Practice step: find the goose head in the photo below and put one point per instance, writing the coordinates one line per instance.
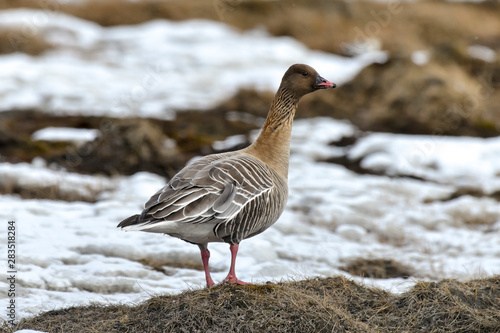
(302, 79)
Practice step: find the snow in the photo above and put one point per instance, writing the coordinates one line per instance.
(71, 253)
(77, 135)
(482, 52)
(229, 142)
(36, 174)
(420, 57)
(465, 162)
(151, 69)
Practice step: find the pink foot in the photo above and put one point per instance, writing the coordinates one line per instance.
(231, 276)
(232, 280)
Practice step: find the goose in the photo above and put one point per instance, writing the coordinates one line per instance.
(228, 197)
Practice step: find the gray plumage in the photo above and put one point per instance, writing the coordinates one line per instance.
(232, 196)
(218, 198)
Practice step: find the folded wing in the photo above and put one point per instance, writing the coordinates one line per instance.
(213, 190)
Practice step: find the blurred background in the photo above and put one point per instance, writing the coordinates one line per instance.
(440, 77)
(394, 174)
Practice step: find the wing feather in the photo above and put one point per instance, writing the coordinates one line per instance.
(213, 189)
(225, 198)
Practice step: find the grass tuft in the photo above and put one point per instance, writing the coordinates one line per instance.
(335, 304)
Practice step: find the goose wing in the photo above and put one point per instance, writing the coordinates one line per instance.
(210, 190)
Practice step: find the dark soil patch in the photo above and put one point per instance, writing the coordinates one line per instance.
(317, 305)
(125, 146)
(377, 268)
(444, 97)
(51, 192)
(468, 191)
(354, 165)
(159, 265)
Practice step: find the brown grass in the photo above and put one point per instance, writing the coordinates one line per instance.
(51, 192)
(401, 97)
(320, 24)
(334, 304)
(398, 96)
(158, 265)
(377, 268)
(14, 40)
(126, 146)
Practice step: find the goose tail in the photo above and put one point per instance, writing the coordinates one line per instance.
(130, 223)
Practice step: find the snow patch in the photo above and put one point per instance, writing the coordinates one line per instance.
(482, 52)
(77, 135)
(150, 69)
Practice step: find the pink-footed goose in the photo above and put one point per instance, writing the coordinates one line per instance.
(232, 196)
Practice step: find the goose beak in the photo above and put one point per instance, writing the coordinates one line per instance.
(321, 83)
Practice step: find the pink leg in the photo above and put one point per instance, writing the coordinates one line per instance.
(205, 255)
(231, 276)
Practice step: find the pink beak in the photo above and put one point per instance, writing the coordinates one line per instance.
(321, 83)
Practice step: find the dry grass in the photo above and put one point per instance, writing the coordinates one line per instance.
(320, 24)
(378, 99)
(16, 41)
(50, 192)
(334, 304)
(398, 96)
(125, 146)
(159, 265)
(377, 268)
(451, 95)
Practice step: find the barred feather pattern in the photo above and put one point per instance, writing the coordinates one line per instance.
(284, 106)
(236, 194)
(232, 196)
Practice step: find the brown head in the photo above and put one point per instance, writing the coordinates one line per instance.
(302, 79)
(273, 144)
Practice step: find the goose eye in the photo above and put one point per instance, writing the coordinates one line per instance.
(305, 73)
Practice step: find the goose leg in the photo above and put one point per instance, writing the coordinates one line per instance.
(231, 276)
(205, 255)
